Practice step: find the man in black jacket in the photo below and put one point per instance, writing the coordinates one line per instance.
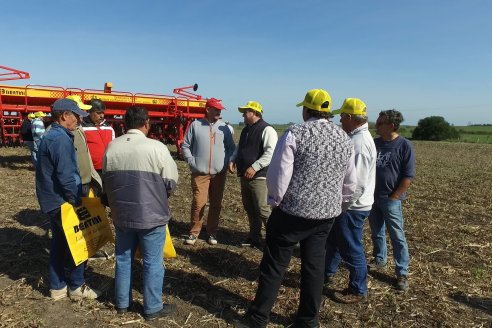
(251, 160)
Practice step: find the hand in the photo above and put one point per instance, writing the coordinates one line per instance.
(232, 167)
(75, 203)
(345, 206)
(394, 197)
(250, 173)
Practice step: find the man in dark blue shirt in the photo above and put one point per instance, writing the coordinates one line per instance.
(58, 181)
(395, 169)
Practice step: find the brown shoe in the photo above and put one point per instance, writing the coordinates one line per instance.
(347, 296)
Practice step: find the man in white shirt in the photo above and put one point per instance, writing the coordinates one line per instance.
(345, 239)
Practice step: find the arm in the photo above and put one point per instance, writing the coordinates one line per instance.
(402, 188)
(281, 168)
(169, 172)
(408, 172)
(230, 146)
(362, 169)
(186, 146)
(350, 180)
(64, 170)
(232, 161)
(270, 138)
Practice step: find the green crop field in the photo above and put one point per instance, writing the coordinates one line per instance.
(468, 134)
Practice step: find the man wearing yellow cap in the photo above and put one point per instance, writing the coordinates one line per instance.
(37, 129)
(312, 171)
(345, 239)
(251, 159)
(90, 177)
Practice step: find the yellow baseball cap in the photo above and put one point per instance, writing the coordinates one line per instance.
(79, 102)
(253, 105)
(317, 99)
(39, 114)
(31, 115)
(353, 106)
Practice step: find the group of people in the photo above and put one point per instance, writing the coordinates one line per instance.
(311, 188)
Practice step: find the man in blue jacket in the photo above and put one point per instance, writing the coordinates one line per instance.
(58, 181)
(207, 148)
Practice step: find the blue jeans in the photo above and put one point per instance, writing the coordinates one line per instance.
(151, 244)
(387, 212)
(345, 241)
(62, 268)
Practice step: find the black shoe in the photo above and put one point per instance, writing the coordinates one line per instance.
(329, 280)
(252, 243)
(402, 283)
(376, 266)
(121, 310)
(167, 310)
(246, 322)
(102, 255)
(247, 243)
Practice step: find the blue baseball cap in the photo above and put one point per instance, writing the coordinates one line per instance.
(64, 104)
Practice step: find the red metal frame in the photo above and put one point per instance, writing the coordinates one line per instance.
(13, 74)
(170, 116)
(183, 91)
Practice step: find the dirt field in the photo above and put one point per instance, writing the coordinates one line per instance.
(448, 223)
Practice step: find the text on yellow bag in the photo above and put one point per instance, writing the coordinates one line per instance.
(86, 228)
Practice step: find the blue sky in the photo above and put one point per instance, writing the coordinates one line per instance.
(422, 57)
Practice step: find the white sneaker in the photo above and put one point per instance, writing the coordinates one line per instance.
(190, 240)
(58, 294)
(212, 240)
(84, 291)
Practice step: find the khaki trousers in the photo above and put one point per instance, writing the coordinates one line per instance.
(211, 187)
(254, 195)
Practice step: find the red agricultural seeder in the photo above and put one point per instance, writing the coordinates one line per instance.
(169, 115)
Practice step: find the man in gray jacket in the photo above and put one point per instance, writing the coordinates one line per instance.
(139, 176)
(345, 239)
(207, 148)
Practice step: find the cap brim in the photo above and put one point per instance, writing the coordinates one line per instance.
(211, 106)
(243, 109)
(300, 104)
(79, 112)
(84, 107)
(336, 111)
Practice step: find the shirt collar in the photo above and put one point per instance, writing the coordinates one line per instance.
(136, 131)
(363, 127)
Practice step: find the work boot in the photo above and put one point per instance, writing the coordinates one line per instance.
(375, 265)
(402, 283)
(347, 296)
(166, 311)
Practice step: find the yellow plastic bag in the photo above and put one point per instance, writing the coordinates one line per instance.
(169, 251)
(86, 228)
